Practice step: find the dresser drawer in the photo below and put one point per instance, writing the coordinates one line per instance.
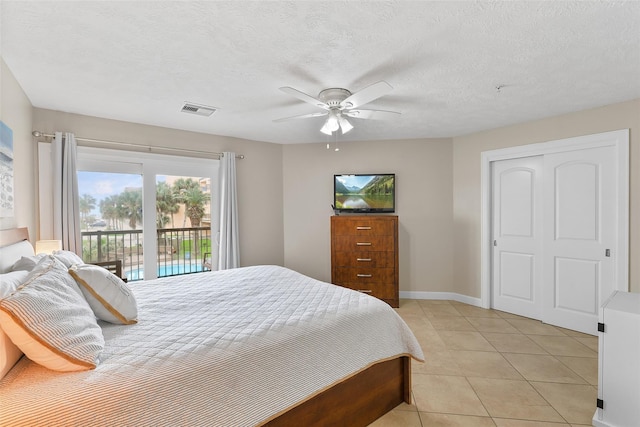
(364, 226)
(363, 243)
(378, 290)
(381, 259)
(363, 275)
(383, 292)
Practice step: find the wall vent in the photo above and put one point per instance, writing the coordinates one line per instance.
(200, 110)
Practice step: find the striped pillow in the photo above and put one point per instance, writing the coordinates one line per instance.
(50, 321)
(107, 294)
(9, 353)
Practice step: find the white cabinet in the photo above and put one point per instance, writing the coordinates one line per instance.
(619, 362)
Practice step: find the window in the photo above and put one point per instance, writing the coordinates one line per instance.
(111, 218)
(116, 197)
(183, 221)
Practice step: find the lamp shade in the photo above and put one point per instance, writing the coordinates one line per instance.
(344, 124)
(48, 246)
(334, 122)
(325, 129)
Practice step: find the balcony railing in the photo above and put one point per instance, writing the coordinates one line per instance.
(179, 250)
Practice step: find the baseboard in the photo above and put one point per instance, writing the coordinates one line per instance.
(441, 296)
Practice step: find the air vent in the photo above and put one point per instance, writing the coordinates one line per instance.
(200, 110)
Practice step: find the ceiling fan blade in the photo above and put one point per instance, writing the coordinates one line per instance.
(367, 94)
(371, 114)
(304, 97)
(303, 116)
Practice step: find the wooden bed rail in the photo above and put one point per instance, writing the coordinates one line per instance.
(357, 401)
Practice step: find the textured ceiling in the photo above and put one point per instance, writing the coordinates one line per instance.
(140, 61)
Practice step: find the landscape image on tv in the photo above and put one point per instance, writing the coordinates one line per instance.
(364, 192)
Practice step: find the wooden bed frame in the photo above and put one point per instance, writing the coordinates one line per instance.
(13, 235)
(357, 401)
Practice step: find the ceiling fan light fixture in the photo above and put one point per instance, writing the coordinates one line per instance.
(340, 104)
(344, 124)
(331, 124)
(326, 130)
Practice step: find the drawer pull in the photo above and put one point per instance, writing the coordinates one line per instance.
(363, 228)
(363, 259)
(363, 243)
(365, 291)
(364, 275)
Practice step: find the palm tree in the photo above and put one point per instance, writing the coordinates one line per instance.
(180, 187)
(87, 204)
(131, 206)
(166, 203)
(195, 201)
(108, 210)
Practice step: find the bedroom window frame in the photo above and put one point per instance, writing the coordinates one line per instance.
(149, 165)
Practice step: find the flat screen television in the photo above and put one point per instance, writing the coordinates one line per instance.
(364, 193)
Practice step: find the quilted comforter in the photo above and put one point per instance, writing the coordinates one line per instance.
(227, 348)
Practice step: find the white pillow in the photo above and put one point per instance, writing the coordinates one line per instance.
(27, 263)
(9, 282)
(109, 297)
(9, 352)
(68, 258)
(11, 253)
(50, 321)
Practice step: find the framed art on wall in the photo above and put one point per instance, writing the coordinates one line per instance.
(6, 171)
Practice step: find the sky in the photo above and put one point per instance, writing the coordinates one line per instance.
(355, 180)
(101, 185)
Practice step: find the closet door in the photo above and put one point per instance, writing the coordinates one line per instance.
(579, 236)
(517, 236)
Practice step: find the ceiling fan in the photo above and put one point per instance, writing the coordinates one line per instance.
(340, 103)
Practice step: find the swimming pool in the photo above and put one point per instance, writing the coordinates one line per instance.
(166, 270)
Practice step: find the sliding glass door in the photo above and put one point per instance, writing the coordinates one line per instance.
(183, 221)
(111, 214)
(155, 213)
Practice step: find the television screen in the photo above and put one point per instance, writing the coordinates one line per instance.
(364, 192)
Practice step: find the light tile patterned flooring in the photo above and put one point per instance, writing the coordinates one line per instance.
(490, 368)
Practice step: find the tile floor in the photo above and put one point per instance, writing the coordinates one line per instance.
(490, 368)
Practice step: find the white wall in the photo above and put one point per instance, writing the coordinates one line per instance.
(423, 205)
(16, 112)
(259, 174)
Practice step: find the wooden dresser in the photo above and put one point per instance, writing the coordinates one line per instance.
(364, 255)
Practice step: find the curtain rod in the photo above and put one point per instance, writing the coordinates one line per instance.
(38, 134)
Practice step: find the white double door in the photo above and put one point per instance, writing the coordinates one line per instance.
(554, 232)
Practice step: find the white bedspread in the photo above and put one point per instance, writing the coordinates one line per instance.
(228, 348)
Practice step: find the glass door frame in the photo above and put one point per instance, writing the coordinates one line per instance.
(151, 165)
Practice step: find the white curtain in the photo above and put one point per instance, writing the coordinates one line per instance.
(228, 249)
(66, 210)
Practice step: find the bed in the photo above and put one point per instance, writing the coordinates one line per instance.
(259, 345)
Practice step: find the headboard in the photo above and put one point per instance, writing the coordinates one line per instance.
(14, 244)
(13, 235)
